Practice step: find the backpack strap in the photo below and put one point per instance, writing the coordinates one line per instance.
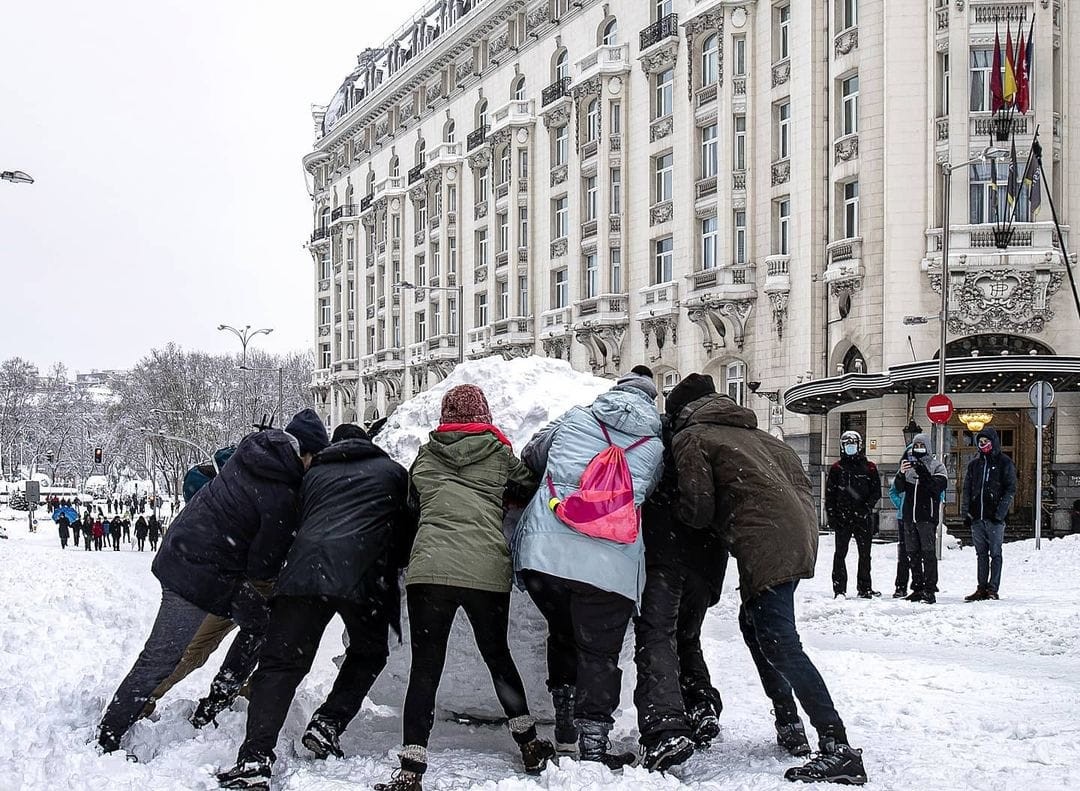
(607, 436)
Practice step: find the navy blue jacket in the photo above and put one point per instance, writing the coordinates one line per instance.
(990, 482)
(238, 526)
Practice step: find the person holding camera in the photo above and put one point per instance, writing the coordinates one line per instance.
(922, 479)
(989, 489)
(852, 490)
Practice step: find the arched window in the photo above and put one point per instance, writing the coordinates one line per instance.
(562, 66)
(395, 169)
(854, 362)
(735, 381)
(370, 182)
(504, 164)
(448, 131)
(349, 195)
(421, 148)
(710, 60)
(517, 90)
(609, 33)
(482, 114)
(592, 121)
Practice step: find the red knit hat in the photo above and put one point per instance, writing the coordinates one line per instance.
(465, 404)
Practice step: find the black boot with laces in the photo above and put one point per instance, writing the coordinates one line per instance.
(252, 773)
(566, 733)
(792, 737)
(704, 724)
(321, 737)
(836, 763)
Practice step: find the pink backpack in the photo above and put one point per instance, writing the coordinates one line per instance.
(603, 505)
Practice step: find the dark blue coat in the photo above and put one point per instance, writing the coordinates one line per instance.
(990, 482)
(238, 526)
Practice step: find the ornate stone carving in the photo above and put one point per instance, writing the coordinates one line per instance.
(604, 344)
(558, 347)
(591, 87)
(480, 158)
(781, 73)
(465, 69)
(847, 41)
(847, 148)
(558, 175)
(779, 302)
(382, 128)
(324, 330)
(557, 116)
(714, 316)
(408, 110)
(781, 172)
(500, 138)
(660, 128)
(498, 44)
(512, 351)
(537, 17)
(661, 212)
(558, 248)
(660, 58)
(418, 194)
(658, 330)
(481, 210)
(1000, 300)
(711, 21)
(433, 92)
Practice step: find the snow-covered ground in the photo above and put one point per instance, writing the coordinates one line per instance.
(949, 697)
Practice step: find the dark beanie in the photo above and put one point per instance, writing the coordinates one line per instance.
(309, 431)
(688, 390)
(377, 426)
(348, 431)
(465, 404)
(642, 370)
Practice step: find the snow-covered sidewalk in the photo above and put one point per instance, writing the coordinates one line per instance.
(954, 696)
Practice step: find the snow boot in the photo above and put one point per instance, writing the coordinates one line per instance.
(835, 763)
(249, 773)
(535, 752)
(593, 745)
(402, 780)
(566, 734)
(915, 596)
(108, 741)
(210, 706)
(978, 595)
(666, 753)
(321, 737)
(869, 594)
(992, 595)
(899, 593)
(792, 737)
(704, 724)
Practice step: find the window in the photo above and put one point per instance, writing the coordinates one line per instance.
(739, 234)
(988, 187)
(590, 198)
(504, 299)
(448, 132)
(482, 247)
(395, 169)
(708, 243)
(847, 14)
(710, 60)
(371, 340)
(562, 145)
(523, 163)
(451, 199)
(324, 354)
(421, 327)
(735, 381)
(562, 66)
(738, 46)
(523, 296)
(982, 64)
(662, 260)
(592, 121)
(662, 97)
(483, 184)
(783, 130)
(482, 114)
(849, 111)
(395, 329)
(436, 263)
(783, 227)
(851, 210)
(615, 267)
(616, 190)
(421, 153)
(663, 8)
(560, 283)
(350, 250)
(609, 36)
(352, 345)
(504, 165)
(783, 22)
(436, 318)
(451, 254)
(662, 167)
(504, 232)
(592, 276)
(560, 213)
(421, 271)
(523, 227)
(709, 162)
(517, 92)
(452, 315)
(616, 118)
(324, 311)
(369, 291)
(324, 267)
(943, 83)
(420, 215)
(738, 157)
(481, 306)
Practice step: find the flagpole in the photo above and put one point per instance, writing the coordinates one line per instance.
(1036, 148)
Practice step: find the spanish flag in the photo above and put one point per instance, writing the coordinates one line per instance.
(1009, 89)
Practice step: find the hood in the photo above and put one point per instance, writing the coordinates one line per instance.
(992, 435)
(459, 449)
(629, 410)
(924, 438)
(716, 409)
(348, 450)
(270, 454)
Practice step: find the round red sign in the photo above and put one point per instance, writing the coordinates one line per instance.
(939, 409)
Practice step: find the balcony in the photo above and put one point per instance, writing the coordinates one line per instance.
(605, 59)
(555, 91)
(417, 352)
(738, 180)
(555, 322)
(518, 112)
(367, 364)
(416, 173)
(516, 330)
(589, 149)
(588, 229)
(705, 187)
(777, 278)
(346, 210)
(502, 258)
(443, 347)
(366, 201)
(983, 125)
(476, 342)
(391, 359)
(476, 138)
(659, 300)
(604, 309)
(389, 185)
(319, 234)
(738, 86)
(844, 268)
(664, 28)
(1030, 242)
(444, 154)
(729, 282)
(988, 14)
(705, 96)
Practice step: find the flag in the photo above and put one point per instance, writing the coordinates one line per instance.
(997, 100)
(1029, 58)
(1029, 178)
(1013, 186)
(995, 203)
(1035, 195)
(1008, 89)
(1021, 75)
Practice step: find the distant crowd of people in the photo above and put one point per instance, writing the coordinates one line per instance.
(103, 531)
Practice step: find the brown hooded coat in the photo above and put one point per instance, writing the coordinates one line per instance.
(748, 487)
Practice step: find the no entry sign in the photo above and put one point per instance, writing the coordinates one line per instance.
(939, 409)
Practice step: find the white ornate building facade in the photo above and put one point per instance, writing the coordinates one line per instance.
(742, 187)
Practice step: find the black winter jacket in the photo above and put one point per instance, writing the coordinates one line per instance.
(239, 526)
(922, 486)
(852, 490)
(355, 527)
(990, 482)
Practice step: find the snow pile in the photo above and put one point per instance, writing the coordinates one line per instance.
(524, 394)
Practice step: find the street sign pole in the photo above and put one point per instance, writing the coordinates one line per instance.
(1041, 395)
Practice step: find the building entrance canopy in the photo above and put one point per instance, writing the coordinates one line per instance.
(998, 374)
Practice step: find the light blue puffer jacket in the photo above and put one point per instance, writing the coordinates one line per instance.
(563, 449)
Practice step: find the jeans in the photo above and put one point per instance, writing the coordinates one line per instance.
(988, 537)
(431, 615)
(586, 627)
(864, 539)
(920, 539)
(296, 627)
(672, 677)
(767, 621)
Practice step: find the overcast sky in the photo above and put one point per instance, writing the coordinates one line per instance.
(165, 138)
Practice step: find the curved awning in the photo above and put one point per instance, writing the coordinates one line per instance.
(1001, 374)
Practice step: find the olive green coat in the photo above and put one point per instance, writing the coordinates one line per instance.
(460, 480)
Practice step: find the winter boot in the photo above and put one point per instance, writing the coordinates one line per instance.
(915, 596)
(535, 752)
(666, 753)
(899, 593)
(869, 594)
(566, 735)
(992, 595)
(321, 737)
(928, 597)
(704, 724)
(210, 706)
(402, 780)
(107, 740)
(792, 737)
(593, 745)
(978, 595)
(835, 763)
(249, 773)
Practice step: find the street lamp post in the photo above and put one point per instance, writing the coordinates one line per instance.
(280, 389)
(245, 336)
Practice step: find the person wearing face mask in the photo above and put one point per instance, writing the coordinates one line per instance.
(989, 489)
(922, 478)
(851, 492)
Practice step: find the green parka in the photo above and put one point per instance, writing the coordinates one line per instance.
(461, 480)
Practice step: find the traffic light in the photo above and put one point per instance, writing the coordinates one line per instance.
(97, 455)
(49, 456)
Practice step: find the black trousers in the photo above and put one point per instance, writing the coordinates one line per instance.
(292, 640)
(903, 569)
(431, 615)
(97, 543)
(864, 539)
(920, 539)
(672, 677)
(142, 543)
(586, 627)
